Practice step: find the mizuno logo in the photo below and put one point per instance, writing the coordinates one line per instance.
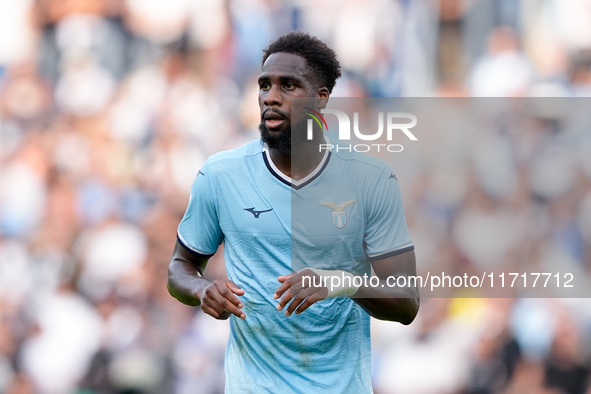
(393, 176)
(256, 214)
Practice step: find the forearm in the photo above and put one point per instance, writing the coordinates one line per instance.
(399, 304)
(386, 301)
(185, 282)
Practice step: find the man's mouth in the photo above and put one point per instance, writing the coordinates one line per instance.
(273, 123)
(273, 120)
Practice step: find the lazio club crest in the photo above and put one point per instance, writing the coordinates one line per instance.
(339, 215)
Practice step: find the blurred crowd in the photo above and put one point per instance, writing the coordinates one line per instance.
(513, 197)
(108, 108)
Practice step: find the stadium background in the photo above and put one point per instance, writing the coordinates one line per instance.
(108, 109)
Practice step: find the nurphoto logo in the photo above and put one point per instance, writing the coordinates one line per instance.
(393, 124)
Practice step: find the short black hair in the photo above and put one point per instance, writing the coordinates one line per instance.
(319, 57)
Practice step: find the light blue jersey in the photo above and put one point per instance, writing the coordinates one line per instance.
(346, 213)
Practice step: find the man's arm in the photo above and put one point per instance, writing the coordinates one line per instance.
(399, 304)
(383, 302)
(187, 284)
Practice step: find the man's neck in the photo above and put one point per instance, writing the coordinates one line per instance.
(298, 163)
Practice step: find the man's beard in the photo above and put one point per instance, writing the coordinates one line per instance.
(294, 135)
(280, 143)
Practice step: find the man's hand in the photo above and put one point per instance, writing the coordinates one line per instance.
(219, 299)
(293, 289)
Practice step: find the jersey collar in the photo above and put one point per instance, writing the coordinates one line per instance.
(291, 182)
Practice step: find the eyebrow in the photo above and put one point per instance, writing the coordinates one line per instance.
(292, 77)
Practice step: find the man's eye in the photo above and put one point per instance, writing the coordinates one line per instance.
(289, 85)
(265, 86)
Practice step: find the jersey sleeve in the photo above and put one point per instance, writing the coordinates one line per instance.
(386, 232)
(199, 230)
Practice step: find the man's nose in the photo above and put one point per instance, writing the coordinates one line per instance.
(273, 96)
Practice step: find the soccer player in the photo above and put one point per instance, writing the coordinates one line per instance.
(289, 335)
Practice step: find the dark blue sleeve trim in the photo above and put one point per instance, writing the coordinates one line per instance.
(394, 253)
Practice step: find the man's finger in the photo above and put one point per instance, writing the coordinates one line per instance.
(285, 299)
(234, 287)
(227, 305)
(211, 307)
(227, 293)
(283, 278)
(282, 289)
(305, 305)
(301, 297)
(220, 303)
(286, 280)
(294, 288)
(320, 294)
(213, 313)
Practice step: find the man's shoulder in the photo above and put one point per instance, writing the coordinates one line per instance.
(231, 158)
(251, 148)
(361, 161)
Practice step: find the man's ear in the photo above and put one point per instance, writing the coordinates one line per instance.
(322, 98)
